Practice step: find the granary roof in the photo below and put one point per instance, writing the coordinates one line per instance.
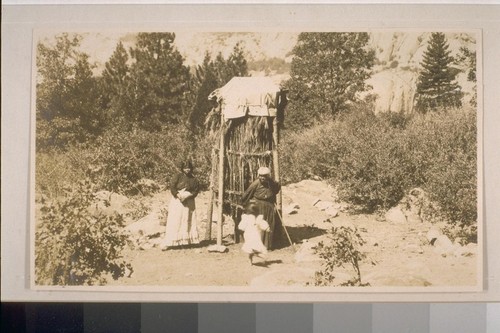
(241, 96)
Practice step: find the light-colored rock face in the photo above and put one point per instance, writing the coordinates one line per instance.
(398, 57)
(395, 73)
(394, 78)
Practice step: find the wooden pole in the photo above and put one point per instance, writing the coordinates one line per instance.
(276, 165)
(220, 207)
(208, 231)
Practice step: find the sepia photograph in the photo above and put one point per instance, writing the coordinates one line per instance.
(254, 161)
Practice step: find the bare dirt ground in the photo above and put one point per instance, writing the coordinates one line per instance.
(398, 254)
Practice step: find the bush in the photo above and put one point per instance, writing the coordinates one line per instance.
(58, 169)
(373, 160)
(343, 249)
(120, 161)
(75, 244)
(448, 144)
(359, 153)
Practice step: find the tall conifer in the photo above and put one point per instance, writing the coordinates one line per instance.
(436, 86)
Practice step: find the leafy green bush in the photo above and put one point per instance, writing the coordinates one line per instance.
(344, 248)
(75, 244)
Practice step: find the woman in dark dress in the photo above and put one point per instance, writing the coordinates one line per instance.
(263, 192)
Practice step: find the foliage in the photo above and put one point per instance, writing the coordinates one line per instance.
(327, 72)
(462, 233)
(448, 149)
(115, 78)
(373, 160)
(343, 249)
(159, 82)
(436, 86)
(213, 74)
(138, 210)
(67, 104)
(124, 158)
(75, 244)
(57, 169)
(269, 65)
(468, 59)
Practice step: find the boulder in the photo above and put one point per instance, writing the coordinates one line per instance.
(147, 226)
(110, 203)
(332, 212)
(432, 235)
(465, 251)
(444, 246)
(395, 215)
(323, 205)
(217, 248)
(307, 253)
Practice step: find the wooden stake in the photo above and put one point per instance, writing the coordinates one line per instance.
(208, 231)
(276, 165)
(220, 211)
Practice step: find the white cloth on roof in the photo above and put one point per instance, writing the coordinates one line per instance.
(254, 96)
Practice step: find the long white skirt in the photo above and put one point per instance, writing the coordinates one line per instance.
(182, 228)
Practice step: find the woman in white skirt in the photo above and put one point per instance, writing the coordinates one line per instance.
(182, 226)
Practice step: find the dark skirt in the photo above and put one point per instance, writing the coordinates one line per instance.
(272, 238)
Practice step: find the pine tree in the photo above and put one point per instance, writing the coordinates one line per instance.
(327, 72)
(67, 109)
(159, 82)
(114, 81)
(436, 86)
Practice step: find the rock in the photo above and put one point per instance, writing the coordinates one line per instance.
(443, 241)
(332, 212)
(148, 225)
(413, 218)
(110, 203)
(444, 246)
(307, 253)
(395, 215)
(323, 205)
(432, 235)
(217, 248)
(465, 251)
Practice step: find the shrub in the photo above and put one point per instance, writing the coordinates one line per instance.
(343, 249)
(448, 144)
(373, 160)
(75, 244)
(120, 161)
(57, 169)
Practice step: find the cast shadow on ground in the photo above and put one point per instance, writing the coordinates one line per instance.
(299, 234)
(267, 263)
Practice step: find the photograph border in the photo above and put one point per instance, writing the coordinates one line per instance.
(227, 293)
